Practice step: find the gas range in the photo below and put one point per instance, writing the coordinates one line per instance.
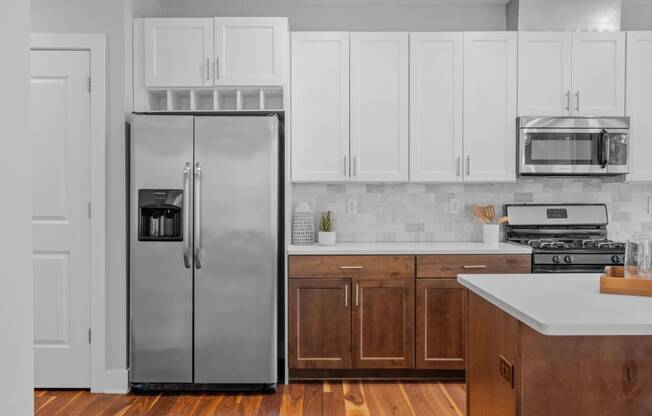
(569, 238)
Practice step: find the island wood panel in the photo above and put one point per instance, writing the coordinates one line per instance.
(319, 323)
(440, 324)
(350, 266)
(585, 375)
(491, 334)
(452, 265)
(383, 323)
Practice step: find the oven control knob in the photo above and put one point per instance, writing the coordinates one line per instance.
(556, 259)
(568, 259)
(615, 258)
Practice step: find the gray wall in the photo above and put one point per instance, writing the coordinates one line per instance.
(341, 15)
(16, 294)
(636, 16)
(421, 212)
(103, 16)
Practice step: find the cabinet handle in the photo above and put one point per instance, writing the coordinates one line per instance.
(208, 68)
(457, 169)
(345, 166)
(475, 266)
(216, 69)
(468, 165)
(568, 101)
(355, 166)
(346, 296)
(577, 94)
(351, 267)
(357, 292)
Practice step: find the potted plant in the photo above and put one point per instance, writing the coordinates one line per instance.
(326, 233)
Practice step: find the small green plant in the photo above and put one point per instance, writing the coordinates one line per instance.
(326, 222)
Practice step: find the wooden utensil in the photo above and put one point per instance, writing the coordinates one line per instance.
(479, 214)
(490, 213)
(503, 220)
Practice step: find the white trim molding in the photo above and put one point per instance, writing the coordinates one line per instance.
(102, 379)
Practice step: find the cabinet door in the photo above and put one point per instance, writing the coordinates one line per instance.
(319, 321)
(639, 105)
(178, 52)
(441, 324)
(599, 73)
(436, 91)
(383, 323)
(320, 106)
(544, 73)
(490, 106)
(250, 51)
(379, 106)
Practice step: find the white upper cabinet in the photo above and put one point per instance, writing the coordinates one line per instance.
(320, 106)
(544, 73)
(490, 106)
(250, 51)
(178, 52)
(379, 106)
(579, 74)
(639, 104)
(599, 73)
(436, 97)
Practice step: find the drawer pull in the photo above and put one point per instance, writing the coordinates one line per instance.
(351, 267)
(357, 297)
(346, 296)
(475, 266)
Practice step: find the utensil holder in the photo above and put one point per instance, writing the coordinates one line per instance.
(490, 234)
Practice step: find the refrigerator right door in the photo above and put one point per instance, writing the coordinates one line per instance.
(236, 221)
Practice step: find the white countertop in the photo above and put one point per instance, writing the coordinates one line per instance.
(564, 304)
(409, 248)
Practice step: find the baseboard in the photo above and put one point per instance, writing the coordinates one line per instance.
(115, 382)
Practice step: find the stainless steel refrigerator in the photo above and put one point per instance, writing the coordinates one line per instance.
(203, 251)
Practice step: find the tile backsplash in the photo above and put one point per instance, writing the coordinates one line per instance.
(426, 212)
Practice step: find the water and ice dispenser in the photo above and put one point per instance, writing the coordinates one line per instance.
(160, 215)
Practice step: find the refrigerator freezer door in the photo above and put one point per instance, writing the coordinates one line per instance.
(235, 288)
(160, 283)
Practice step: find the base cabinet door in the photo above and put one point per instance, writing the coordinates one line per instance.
(319, 323)
(440, 324)
(383, 323)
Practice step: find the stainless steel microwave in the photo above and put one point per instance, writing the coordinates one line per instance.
(573, 146)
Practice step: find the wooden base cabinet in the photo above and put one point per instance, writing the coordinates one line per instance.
(320, 323)
(440, 324)
(383, 323)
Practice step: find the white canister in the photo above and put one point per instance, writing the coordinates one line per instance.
(327, 238)
(490, 234)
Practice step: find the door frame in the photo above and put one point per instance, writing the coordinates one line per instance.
(101, 379)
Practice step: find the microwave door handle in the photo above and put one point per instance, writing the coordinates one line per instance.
(604, 149)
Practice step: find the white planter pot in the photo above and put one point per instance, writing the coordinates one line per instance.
(327, 238)
(490, 234)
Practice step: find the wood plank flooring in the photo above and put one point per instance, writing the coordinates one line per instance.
(345, 398)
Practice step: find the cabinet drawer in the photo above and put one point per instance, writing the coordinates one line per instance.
(451, 266)
(350, 266)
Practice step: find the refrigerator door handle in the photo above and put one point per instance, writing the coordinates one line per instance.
(197, 208)
(186, 215)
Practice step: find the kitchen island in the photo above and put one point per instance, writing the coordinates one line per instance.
(553, 345)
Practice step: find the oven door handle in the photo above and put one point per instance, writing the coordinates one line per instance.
(603, 149)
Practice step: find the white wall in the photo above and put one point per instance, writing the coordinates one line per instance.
(340, 15)
(16, 306)
(108, 17)
(636, 16)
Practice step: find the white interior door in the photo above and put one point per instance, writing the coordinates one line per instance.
(544, 73)
(320, 106)
(379, 106)
(436, 93)
(599, 73)
(60, 131)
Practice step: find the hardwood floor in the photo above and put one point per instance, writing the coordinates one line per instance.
(349, 398)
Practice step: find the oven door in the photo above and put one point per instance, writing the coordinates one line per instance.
(590, 151)
(566, 268)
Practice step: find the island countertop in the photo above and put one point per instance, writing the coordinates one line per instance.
(563, 304)
(395, 248)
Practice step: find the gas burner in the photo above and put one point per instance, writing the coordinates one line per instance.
(602, 243)
(554, 244)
